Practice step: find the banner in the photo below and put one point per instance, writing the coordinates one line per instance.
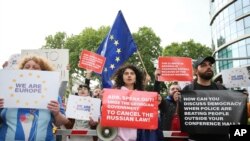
(83, 107)
(59, 58)
(91, 61)
(175, 69)
(131, 109)
(28, 88)
(236, 77)
(212, 111)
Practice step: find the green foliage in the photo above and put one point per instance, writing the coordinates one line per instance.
(187, 49)
(148, 45)
(56, 41)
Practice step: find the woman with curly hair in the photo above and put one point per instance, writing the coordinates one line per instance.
(41, 120)
(128, 77)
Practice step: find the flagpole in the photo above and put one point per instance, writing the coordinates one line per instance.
(142, 61)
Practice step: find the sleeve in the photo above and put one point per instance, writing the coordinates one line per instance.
(62, 110)
(87, 81)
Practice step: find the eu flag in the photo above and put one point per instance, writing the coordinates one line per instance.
(117, 47)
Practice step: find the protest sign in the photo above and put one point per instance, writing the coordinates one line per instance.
(131, 109)
(28, 88)
(236, 77)
(175, 69)
(81, 107)
(59, 58)
(91, 61)
(212, 111)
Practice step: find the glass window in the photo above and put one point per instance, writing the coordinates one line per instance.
(246, 10)
(233, 27)
(245, 3)
(247, 22)
(238, 5)
(248, 50)
(231, 9)
(240, 25)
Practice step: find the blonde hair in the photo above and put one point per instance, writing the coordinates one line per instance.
(44, 63)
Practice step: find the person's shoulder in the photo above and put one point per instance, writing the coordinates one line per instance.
(188, 87)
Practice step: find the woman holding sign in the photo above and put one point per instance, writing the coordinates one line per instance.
(31, 124)
(129, 77)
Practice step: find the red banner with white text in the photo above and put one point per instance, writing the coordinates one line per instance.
(131, 109)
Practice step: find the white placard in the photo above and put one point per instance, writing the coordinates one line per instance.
(236, 77)
(59, 58)
(13, 61)
(83, 107)
(28, 88)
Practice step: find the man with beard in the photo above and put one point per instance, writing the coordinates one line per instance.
(204, 73)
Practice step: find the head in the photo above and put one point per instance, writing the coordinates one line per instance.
(174, 87)
(33, 62)
(129, 75)
(83, 90)
(97, 92)
(203, 68)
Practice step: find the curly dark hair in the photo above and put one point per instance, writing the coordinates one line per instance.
(118, 77)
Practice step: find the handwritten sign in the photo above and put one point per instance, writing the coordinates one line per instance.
(80, 107)
(92, 61)
(28, 89)
(175, 69)
(131, 109)
(59, 58)
(212, 111)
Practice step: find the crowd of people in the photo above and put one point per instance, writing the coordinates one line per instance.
(127, 77)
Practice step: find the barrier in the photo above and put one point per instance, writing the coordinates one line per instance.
(73, 132)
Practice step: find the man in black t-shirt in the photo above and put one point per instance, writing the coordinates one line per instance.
(204, 73)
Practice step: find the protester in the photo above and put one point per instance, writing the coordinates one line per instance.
(169, 113)
(42, 121)
(204, 73)
(128, 77)
(83, 90)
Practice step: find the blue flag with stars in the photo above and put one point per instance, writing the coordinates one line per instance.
(117, 47)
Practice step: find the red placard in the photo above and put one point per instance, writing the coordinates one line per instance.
(175, 69)
(91, 61)
(131, 109)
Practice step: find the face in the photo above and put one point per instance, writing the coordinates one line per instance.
(97, 92)
(173, 89)
(31, 65)
(129, 77)
(205, 71)
(83, 91)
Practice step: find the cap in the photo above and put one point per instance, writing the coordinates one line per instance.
(202, 59)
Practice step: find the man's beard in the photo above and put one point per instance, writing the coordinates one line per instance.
(206, 75)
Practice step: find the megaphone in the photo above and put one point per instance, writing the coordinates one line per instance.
(106, 133)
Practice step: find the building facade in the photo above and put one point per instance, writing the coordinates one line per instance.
(230, 24)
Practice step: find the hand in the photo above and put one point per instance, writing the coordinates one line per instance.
(1, 102)
(159, 99)
(176, 96)
(88, 73)
(92, 122)
(54, 107)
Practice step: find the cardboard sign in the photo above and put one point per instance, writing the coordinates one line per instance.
(175, 69)
(12, 62)
(28, 88)
(236, 77)
(212, 111)
(131, 109)
(91, 61)
(59, 58)
(79, 107)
